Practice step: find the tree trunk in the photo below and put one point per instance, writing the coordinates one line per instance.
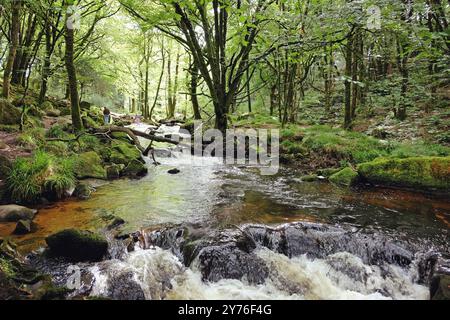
(194, 98)
(348, 84)
(15, 30)
(72, 77)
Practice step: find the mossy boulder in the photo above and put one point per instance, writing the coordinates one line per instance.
(123, 152)
(9, 114)
(121, 136)
(113, 171)
(346, 177)
(77, 245)
(83, 191)
(14, 213)
(135, 169)
(417, 172)
(89, 165)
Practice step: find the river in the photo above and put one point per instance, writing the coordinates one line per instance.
(215, 197)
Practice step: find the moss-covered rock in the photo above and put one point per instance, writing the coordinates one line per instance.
(14, 213)
(9, 114)
(346, 177)
(120, 136)
(135, 169)
(77, 245)
(418, 172)
(113, 171)
(328, 172)
(123, 152)
(89, 165)
(83, 191)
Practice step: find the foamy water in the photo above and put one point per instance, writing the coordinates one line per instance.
(340, 276)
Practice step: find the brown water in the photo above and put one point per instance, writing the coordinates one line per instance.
(219, 196)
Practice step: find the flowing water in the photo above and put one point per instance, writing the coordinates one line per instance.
(218, 197)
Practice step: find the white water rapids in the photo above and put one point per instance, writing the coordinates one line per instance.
(340, 276)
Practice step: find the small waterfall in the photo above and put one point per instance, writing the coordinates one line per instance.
(187, 263)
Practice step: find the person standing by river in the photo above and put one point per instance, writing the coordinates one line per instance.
(106, 116)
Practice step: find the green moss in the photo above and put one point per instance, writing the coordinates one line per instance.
(135, 169)
(343, 145)
(9, 114)
(123, 152)
(89, 165)
(32, 139)
(310, 178)
(77, 245)
(7, 268)
(419, 148)
(416, 172)
(346, 177)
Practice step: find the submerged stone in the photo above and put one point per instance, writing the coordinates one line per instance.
(77, 245)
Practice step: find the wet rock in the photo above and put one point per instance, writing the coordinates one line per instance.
(346, 177)
(440, 287)
(174, 171)
(89, 165)
(227, 261)
(77, 245)
(23, 227)
(14, 213)
(122, 286)
(113, 171)
(135, 169)
(83, 191)
(320, 241)
(115, 223)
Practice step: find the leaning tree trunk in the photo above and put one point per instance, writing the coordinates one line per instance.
(72, 77)
(15, 29)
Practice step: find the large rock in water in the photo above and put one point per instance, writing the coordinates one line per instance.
(89, 165)
(77, 245)
(419, 172)
(14, 213)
